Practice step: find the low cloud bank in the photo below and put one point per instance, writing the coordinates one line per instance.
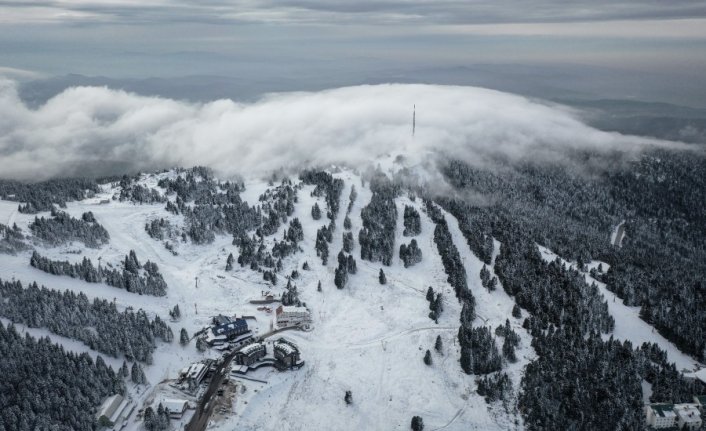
(88, 129)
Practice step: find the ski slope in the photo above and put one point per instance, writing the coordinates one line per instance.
(368, 338)
(628, 325)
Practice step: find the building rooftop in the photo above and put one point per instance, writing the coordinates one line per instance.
(251, 348)
(109, 406)
(195, 369)
(175, 405)
(285, 347)
(688, 412)
(232, 326)
(663, 410)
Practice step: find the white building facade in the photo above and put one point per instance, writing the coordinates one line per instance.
(661, 416)
(287, 316)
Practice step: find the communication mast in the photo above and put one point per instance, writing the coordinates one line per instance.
(414, 119)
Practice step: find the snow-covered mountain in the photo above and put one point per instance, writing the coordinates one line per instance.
(366, 337)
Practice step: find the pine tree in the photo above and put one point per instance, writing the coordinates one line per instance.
(201, 345)
(305, 267)
(516, 312)
(183, 337)
(493, 284)
(417, 423)
(149, 419)
(318, 288)
(438, 346)
(427, 357)
(509, 350)
(348, 398)
(137, 374)
(175, 313)
(430, 294)
(381, 277)
(124, 370)
(316, 211)
(229, 262)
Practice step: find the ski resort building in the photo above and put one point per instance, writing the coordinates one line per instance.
(287, 354)
(229, 331)
(114, 410)
(661, 416)
(681, 416)
(287, 316)
(250, 354)
(221, 320)
(195, 374)
(688, 416)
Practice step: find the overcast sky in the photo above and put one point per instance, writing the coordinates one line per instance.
(661, 44)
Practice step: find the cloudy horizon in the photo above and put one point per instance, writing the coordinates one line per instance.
(648, 50)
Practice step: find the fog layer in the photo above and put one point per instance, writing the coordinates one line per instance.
(88, 129)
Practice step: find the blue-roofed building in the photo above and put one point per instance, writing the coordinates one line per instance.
(225, 332)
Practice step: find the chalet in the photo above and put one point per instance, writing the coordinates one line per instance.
(660, 416)
(288, 316)
(250, 354)
(176, 407)
(287, 354)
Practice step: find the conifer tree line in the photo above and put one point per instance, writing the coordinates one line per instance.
(660, 197)
(97, 323)
(156, 420)
(277, 204)
(12, 240)
(377, 237)
(61, 228)
(217, 206)
(450, 257)
(410, 254)
(137, 193)
(42, 196)
(160, 229)
(290, 240)
(412, 221)
(436, 305)
(346, 266)
(142, 279)
(327, 186)
(290, 296)
(44, 387)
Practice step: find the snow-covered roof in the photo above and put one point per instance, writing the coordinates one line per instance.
(285, 347)
(109, 406)
(175, 405)
(688, 412)
(251, 348)
(195, 370)
(663, 410)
